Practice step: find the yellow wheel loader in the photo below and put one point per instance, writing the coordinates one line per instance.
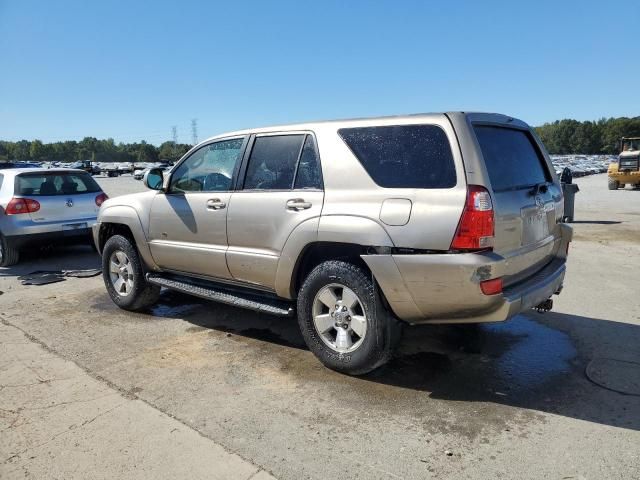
(627, 169)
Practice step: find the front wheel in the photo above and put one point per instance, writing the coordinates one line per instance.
(613, 184)
(343, 319)
(124, 277)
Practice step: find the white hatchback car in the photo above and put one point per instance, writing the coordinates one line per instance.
(39, 206)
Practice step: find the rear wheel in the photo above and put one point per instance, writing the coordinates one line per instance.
(8, 255)
(343, 320)
(124, 277)
(613, 184)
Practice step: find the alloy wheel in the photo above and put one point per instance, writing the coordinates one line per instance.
(339, 318)
(121, 273)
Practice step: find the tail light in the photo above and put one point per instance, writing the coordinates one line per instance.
(475, 230)
(101, 198)
(22, 205)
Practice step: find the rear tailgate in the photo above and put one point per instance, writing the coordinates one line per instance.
(527, 200)
(63, 196)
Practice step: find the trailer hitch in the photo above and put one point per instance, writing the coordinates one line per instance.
(544, 307)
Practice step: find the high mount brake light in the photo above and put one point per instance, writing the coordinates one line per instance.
(475, 230)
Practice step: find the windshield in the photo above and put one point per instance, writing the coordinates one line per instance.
(631, 145)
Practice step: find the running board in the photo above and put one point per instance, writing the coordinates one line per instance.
(234, 297)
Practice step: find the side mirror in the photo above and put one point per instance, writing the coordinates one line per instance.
(153, 179)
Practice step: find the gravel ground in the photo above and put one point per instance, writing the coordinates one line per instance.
(496, 401)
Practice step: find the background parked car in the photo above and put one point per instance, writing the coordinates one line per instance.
(41, 206)
(5, 165)
(139, 173)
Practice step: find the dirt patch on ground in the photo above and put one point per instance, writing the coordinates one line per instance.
(606, 234)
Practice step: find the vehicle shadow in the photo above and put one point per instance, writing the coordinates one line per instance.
(55, 257)
(597, 222)
(533, 361)
(182, 208)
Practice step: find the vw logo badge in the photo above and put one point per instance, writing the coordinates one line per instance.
(69, 202)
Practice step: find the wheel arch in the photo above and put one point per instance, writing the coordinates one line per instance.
(123, 220)
(331, 237)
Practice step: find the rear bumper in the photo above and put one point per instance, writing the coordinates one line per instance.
(445, 288)
(80, 235)
(20, 232)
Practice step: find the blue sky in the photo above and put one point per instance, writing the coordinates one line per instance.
(130, 70)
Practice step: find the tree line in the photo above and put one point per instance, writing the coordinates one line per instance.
(591, 138)
(90, 148)
(560, 137)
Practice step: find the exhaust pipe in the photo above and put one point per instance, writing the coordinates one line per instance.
(544, 307)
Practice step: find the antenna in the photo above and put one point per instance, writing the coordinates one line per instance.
(194, 131)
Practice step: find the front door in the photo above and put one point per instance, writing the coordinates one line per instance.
(187, 225)
(282, 189)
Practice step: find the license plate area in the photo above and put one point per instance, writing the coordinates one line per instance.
(535, 224)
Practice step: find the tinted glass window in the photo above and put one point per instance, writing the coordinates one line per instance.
(52, 183)
(309, 174)
(403, 156)
(208, 169)
(511, 158)
(272, 163)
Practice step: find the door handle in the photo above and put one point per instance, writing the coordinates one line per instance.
(298, 204)
(215, 204)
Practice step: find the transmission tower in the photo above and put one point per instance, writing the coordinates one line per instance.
(174, 134)
(194, 131)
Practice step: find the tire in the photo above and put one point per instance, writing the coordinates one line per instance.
(379, 336)
(127, 286)
(613, 184)
(8, 255)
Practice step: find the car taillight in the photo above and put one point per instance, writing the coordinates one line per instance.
(22, 205)
(101, 198)
(475, 230)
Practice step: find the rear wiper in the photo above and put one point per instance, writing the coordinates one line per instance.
(539, 188)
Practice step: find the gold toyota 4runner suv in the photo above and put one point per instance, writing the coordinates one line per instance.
(355, 226)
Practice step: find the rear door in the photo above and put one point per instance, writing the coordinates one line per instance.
(63, 196)
(526, 198)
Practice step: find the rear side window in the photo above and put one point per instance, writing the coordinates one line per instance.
(403, 156)
(511, 157)
(52, 183)
(309, 174)
(272, 164)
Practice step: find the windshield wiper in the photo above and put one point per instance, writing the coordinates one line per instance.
(539, 188)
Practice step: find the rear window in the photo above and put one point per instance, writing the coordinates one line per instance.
(512, 158)
(55, 183)
(403, 156)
